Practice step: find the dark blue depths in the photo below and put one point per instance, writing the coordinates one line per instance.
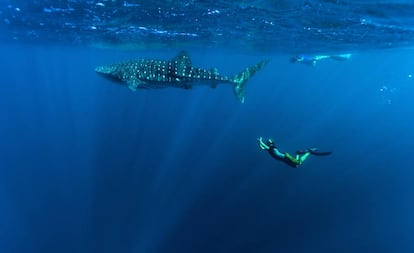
(89, 166)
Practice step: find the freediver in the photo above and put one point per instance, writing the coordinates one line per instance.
(292, 161)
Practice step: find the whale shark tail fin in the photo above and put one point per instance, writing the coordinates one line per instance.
(239, 81)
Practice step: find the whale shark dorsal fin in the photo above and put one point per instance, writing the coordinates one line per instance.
(182, 59)
(214, 71)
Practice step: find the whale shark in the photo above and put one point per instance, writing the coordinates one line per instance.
(177, 72)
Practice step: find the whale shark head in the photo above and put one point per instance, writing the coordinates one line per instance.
(105, 70)
(109, 72)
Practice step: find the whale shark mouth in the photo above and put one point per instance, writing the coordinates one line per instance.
(105, 70)
(108, 72)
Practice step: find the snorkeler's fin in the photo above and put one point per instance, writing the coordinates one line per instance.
(341, 57)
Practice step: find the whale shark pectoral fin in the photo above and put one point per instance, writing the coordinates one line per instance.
(133, 84)
(187, 86)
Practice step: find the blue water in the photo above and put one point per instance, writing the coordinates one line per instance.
(90, 166)
(290, 26)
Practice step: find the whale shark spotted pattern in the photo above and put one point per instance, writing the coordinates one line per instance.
(177, 72)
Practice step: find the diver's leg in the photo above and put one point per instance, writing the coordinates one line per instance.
(302, 157)
(294, 160)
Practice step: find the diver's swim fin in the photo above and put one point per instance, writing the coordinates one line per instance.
(313, 151)
(318, 153)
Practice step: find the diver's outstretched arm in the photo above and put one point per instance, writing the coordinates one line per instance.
(262, 145)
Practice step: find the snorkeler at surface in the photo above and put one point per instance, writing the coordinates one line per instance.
(292, 161)
(311, 60)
